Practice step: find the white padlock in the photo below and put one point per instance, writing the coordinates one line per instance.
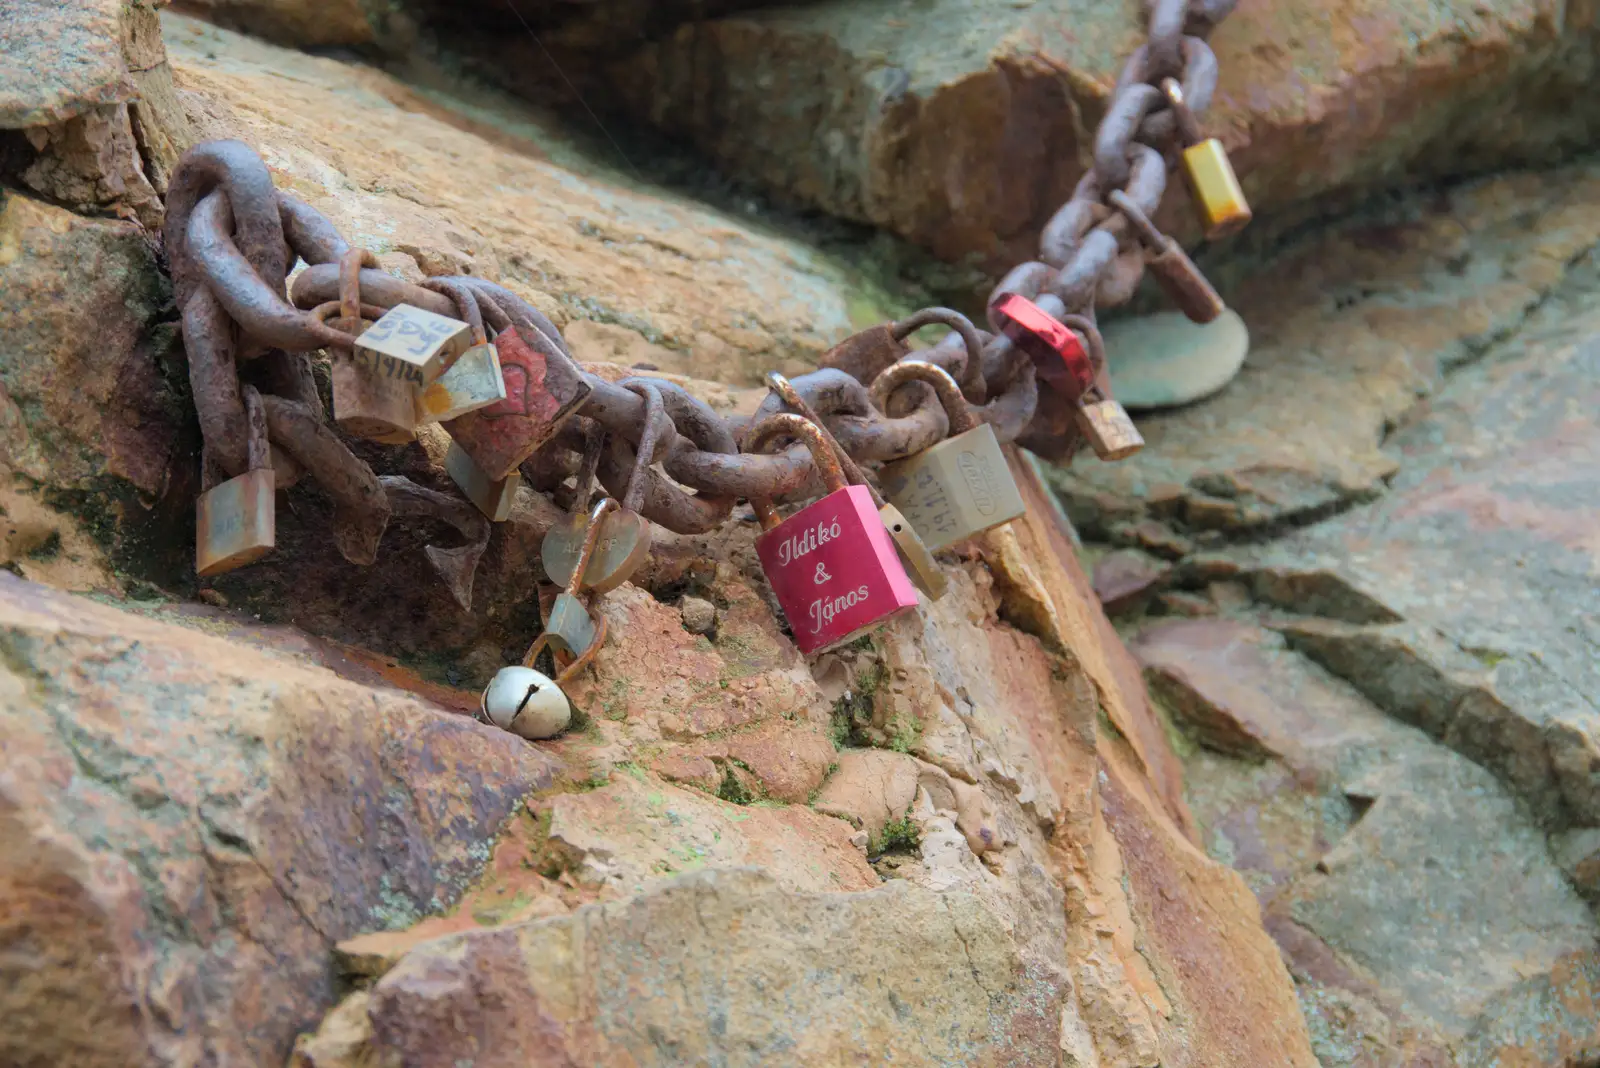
(526, 703)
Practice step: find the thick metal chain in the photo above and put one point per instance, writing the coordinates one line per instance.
(231, 238)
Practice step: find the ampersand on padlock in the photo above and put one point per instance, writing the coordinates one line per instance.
(866, 585)
(958, 488)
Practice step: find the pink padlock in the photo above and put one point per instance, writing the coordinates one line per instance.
(832, 564)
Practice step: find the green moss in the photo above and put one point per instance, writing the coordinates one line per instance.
(49, 549)
(900, 834)
(905, 731)
(733, 790)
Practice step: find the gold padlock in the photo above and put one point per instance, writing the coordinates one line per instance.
(1106, 424)
(493, 497)
(236, 521)
(959, 487)
(1215, 188)
(917, 558)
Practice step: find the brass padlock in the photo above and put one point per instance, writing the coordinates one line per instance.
(236, 521)
(1175, 272)
(624, 544)
(1107, 426)
(574, 632)
(473, 382)
(494, 497)
(412, 343)
(915, 556)
(959, 487)
(1215, 188)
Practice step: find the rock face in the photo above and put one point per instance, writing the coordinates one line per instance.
(963, 126)
(188, 825)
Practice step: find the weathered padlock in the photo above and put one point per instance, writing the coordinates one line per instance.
(413, 344)
(473, 382)
(1218, 196)
(236, 521)
(493, 497)
(864, 355)
(543, 388)
(574, 632)
(368, 405)
(526, 703)
(1175, 272)
(1107, 426)
(961, 486)
(915, 556)
(624, 542)
(832, 565)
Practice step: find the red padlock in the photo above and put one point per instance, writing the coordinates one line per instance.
(1058, 355)
(833, 564)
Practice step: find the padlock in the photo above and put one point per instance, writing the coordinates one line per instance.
(473, 382)
(832, 565)
(1217, 194)
(1179, 278)
(236, 522)
(1107, 426)
(366, 405)
(915, 556)
(574, 632)
(624, 543)
(494, 497)
(543, 388)
(526, 703)
(866, 354)
(1058, 355)
(412, 344)
(961, 486)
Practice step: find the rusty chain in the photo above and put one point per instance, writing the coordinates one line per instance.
(231, 238)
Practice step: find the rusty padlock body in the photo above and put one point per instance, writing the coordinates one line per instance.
(832, 565)
(543, 388)
(493, 497)
(915, 556)
(1108, 427)
(413, 344)
(1184, 283)
(958, 488)
(865, 355)
(236, 521)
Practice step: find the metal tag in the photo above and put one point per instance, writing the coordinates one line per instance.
(571, 630)
(958, 488)
(474, 382)
(235, 523)
(915, 556)
(373, 406)
(412, 344)
(543, 388)
(493, 497)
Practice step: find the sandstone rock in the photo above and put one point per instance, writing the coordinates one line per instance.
(1125, 580)
(1417, 904)
(297, 23)
(871, 789)
(963, 126)
(699, 615)
(189, 826)
(773, 972)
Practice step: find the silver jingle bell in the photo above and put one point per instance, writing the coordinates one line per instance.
(526, 703)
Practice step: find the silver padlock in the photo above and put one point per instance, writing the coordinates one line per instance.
(526, 703)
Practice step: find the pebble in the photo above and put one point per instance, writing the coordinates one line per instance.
(699, 615)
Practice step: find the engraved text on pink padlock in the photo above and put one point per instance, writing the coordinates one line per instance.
(834, 570)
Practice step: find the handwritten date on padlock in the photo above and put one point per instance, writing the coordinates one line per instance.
(839, 537)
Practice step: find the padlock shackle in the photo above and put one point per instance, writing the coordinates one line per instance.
(960, 325)
(466, 302)
(656, 426)
(787, 424)
(370, 313)
(956, 409)
(567, 672)
(257, 447)
(853, 475)
(594, 443)
(1188, 126)
(591, 538)
(350, 265)
(1096, 344)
